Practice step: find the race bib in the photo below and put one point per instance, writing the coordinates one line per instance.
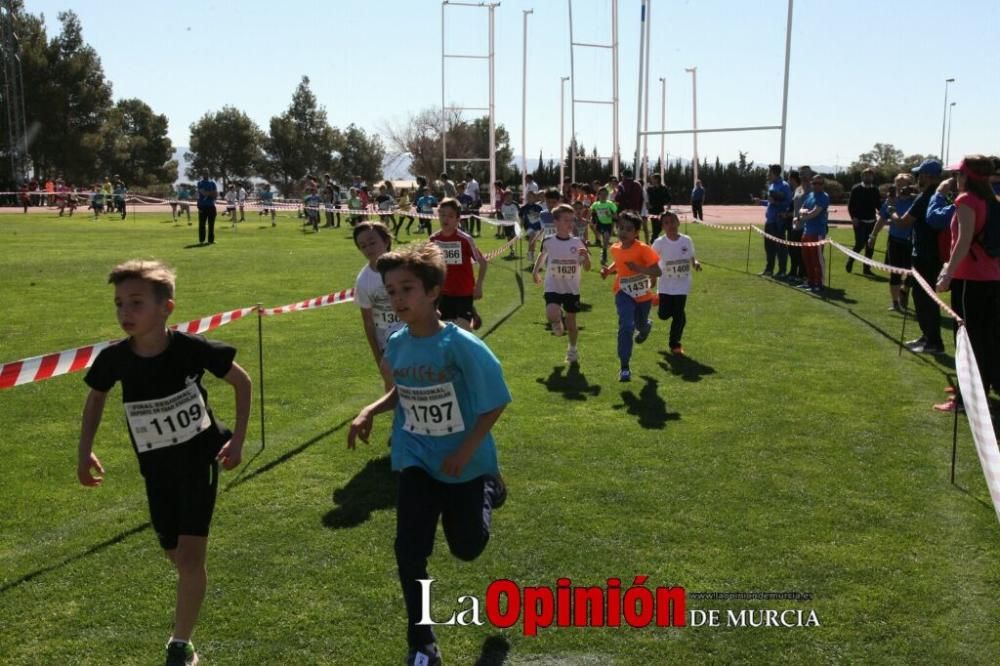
(385, 318)
(548, 230)
(563, 268)
(452, 252)
(157, 424)
(636, 285)
(431, 410)
(677, 269)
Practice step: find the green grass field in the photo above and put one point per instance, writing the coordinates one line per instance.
(793, 451)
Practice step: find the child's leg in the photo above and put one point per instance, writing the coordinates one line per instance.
(571, 328)
(626, 326)
(642, 322)
(192, 580)
(417, 511)
(466, 516)
(553, 312)
(680, 319)
(605, 240)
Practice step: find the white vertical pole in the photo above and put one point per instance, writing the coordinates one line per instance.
(947, 150)
(493, 138)
(615, 148)
(638, 118)
(444, 114)
(784, 92)
(572, 94)
(663, 126)
(524, 106)
(944, 114)
(562, 131)
(693, 71)
(645, 122)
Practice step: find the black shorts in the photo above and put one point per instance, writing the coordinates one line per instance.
(899, 253)
(456, 307)
(569, 302)
(181, 491)
(605, 229)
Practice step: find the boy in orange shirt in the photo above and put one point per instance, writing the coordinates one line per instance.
(635, 264)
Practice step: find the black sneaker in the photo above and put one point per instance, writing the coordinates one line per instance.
(765, 273)
(499, 490)
(916, 345)
(181, 654)
(781, 276)
(933, 348)
(428, 655)
(644, 332)
(849, 266)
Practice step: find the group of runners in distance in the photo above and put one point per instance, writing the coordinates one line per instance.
(445, 387)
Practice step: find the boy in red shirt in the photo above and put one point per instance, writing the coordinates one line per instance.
(460, 252)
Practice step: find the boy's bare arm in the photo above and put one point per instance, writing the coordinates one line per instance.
(483, 265)
(93, 409)
(232, 451)
(454, 463)
(361, 426)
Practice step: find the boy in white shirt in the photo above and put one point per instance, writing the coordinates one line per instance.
(562, 255)
(676, 252)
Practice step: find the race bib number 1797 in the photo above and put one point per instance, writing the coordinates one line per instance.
(431, 410)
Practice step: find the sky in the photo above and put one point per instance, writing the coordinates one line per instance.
(861, 71)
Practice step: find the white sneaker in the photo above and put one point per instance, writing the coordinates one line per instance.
(572, 356)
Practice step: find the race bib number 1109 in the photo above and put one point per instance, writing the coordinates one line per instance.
(169, 421)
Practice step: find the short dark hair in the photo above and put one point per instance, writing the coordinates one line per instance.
(627, 173)
(553, 193)
(775, 169)
(632, 218)
(425, 260)
(378, 227)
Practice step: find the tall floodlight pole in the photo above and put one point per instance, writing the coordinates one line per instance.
(642, 59)
(444, 111)
(572, 94)
(524, 106)
(615, 149)
(493, 138)
(663, 125)
(944, 114)
(645, 121)
(947, 150)
(784, 90)
(693, 71)
(562, 131)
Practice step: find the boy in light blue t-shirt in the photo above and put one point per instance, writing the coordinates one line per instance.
(449, 392)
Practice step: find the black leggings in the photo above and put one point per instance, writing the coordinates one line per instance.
(978, 303)
(465, 510)
(697, 212)
(672, 306)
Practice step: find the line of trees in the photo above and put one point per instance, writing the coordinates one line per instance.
(75, 130)
(228, 144)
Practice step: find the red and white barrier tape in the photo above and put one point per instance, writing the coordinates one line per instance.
(782, 241)
(724, 227)
(345, 296)
(977, 409)
(493, 254)
(37, 368)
